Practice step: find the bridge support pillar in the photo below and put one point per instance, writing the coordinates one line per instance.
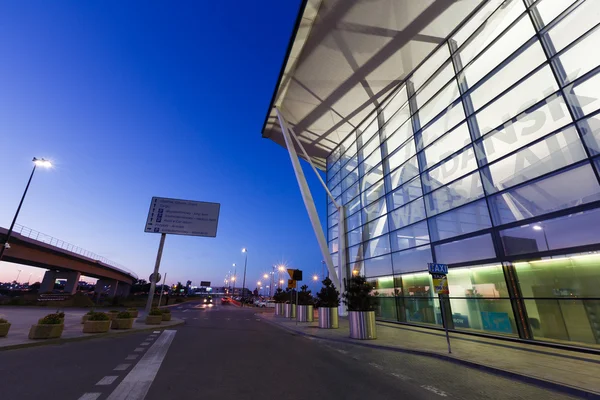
(108, 286)
(123, 289)
(47, 284)
(72, 281)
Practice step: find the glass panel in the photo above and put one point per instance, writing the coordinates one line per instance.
(411, 236)
(454, 168)
(405, 194)
(371, 178)
(456, 194)
(368, 149)
(373, 193)
(378, 266)
(331, 209)
(398, 119)
(377, 227)
(350, 194)
(431, 133)
(378, 247)
(353, 206)
(373, 160)
(550, 9)
(579, 21)
(471, 249)
(590, 129)
(333, 246)
(403, 174)
(400, 156)
(355, 237)
(408, 214)
(425, 71)
(350, 180)
(499, 51)
(393, 105)
(398, 138)
(578, 229)
(355, 253)
(353, 221)
(476, 21)
(412, 260)
(585, 95)
(336, 191)
(333, 219)
(438, 103)
(518, 99)
(549, 115)
(557, 151)
(448, 144)
(383, 289)
(366, 130)
(335, 180)
(568, 189)
(374, 210)
(332, 233)
(470, 218)
(520, 66)
(435, 84)
(581, 58)
(418, 304)
(350, 165)
(569, 316)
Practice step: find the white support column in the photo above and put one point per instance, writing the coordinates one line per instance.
(308, 200)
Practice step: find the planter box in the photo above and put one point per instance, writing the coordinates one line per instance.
(166, 317)
(279, 312)
(153, 319)
(4, 328)
(62, 321)
(42, 331)
(289, 310)
(96, 326)
(122, 323)
(328, 318)
(305, 313)
(362, 325)
(133, 311)
(112, 315)
(84, 318)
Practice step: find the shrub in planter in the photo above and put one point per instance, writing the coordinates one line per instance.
(4, 327)
(361, 305)
(124, 320)
(59, 314)
(49, 327)
(86, 316)
(112, 314)
(154, 317)
(166, 314)
(133, 311)
(97, 322)
(329, 300)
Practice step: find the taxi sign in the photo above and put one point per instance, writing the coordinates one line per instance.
(440, 283)
(295, 274)
(441, 269)
(291, 284)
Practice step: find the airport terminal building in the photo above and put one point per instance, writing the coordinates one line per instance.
(457, 132)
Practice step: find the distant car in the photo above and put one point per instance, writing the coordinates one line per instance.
(208, 300)
(266, 304)
(225, 299)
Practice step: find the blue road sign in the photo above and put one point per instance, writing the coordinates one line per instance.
(441, 269)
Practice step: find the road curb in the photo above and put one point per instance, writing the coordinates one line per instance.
(45, 342)
(556, 386)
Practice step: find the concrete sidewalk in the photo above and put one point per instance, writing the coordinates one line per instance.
(21, 319)
(566, 371)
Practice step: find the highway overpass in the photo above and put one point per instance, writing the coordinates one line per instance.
(65, 261)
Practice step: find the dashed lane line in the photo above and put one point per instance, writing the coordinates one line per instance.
(145, 344)
(90, 396)
(131, 357)
(435, 390)
(122, 367)
(107, 380)
(139, 349)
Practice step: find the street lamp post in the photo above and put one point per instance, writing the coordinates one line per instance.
(233, 279)
(245, 251)
(18, 274)
(36, 162)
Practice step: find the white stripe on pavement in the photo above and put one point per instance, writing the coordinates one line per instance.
(122, 367)
(145, 344)
(90, 396)
(136, 384)
(107, 380)
(139, 349)
(131, 357)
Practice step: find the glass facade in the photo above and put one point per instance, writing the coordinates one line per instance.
(486, 158)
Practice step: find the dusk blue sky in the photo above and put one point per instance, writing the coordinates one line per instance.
(134, 99)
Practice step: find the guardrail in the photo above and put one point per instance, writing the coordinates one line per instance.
(61, 244)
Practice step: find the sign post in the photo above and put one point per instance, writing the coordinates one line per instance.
(178, 217)
(162, 290)
(438, 274)
(296, 276)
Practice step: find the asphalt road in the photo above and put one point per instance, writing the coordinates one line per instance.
(226, 352)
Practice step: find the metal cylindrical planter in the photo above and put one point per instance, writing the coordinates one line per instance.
(289, 310)
(328, 318)
(279, 312)
(362, 325)
(305, 313)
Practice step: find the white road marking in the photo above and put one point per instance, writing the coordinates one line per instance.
(195, 318)
(400, 376)
(156, 332)
(377, 366)
(131, 357)
(310, 337)
(247, 319)
(186, 310)
(136, 384)
(139, 349)
(122, 367)
(183, 317)
(145, 344)
(227, 319)
(258, 319)
(434, 390)
(341, 351)
(107, 380)
(90, 396)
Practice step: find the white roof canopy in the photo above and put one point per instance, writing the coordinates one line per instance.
(345, 56)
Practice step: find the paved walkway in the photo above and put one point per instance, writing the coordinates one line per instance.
(578, 373)
(21, 319)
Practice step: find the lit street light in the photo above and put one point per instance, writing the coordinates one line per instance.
(37, 162)
(315, 278)
(265, 276)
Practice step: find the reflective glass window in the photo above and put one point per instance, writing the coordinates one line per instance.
(355, 237)
(478, 20)
(428, 68)
(350, 193)
(353, 221)
(411, 236)
(374, 210)
(550, 9)
(372, 161)
(398, 119)
(407, 214)
(378, 247)
(332, 233)
(350, 180)
(437, 104)
(441, 125)
(395, 103)
(590, 128)
(377, 227)
(353, 206)
(371, 146)
(355, 253)
(336, 191)
(448, 144)
(557, 151)
(460, 221)
(371, 178)
(457, 166)
(405, 194)
(350, 165)
(456, 194)
(373, 193)
(441, 78)
(378, 266)
(406, 172)
(470, 249)
(401, 155)
(585, 95)
(575, 24)
(398, 138)
(582, 57)
(567, 189)
(366, 132)
(412, 260)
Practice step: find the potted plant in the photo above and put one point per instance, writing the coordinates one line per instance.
(123, 320)
(60, 315)
(112, 314)
(154, 317)
(305, 305)
(289, 308)
(329, 300)
(279, 298)
(361, 313)
(86, 316)
(97, 322)
(4, 327)
(133, 311)
(49, 327)
(166, 314)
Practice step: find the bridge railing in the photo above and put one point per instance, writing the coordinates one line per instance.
(61, 244)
